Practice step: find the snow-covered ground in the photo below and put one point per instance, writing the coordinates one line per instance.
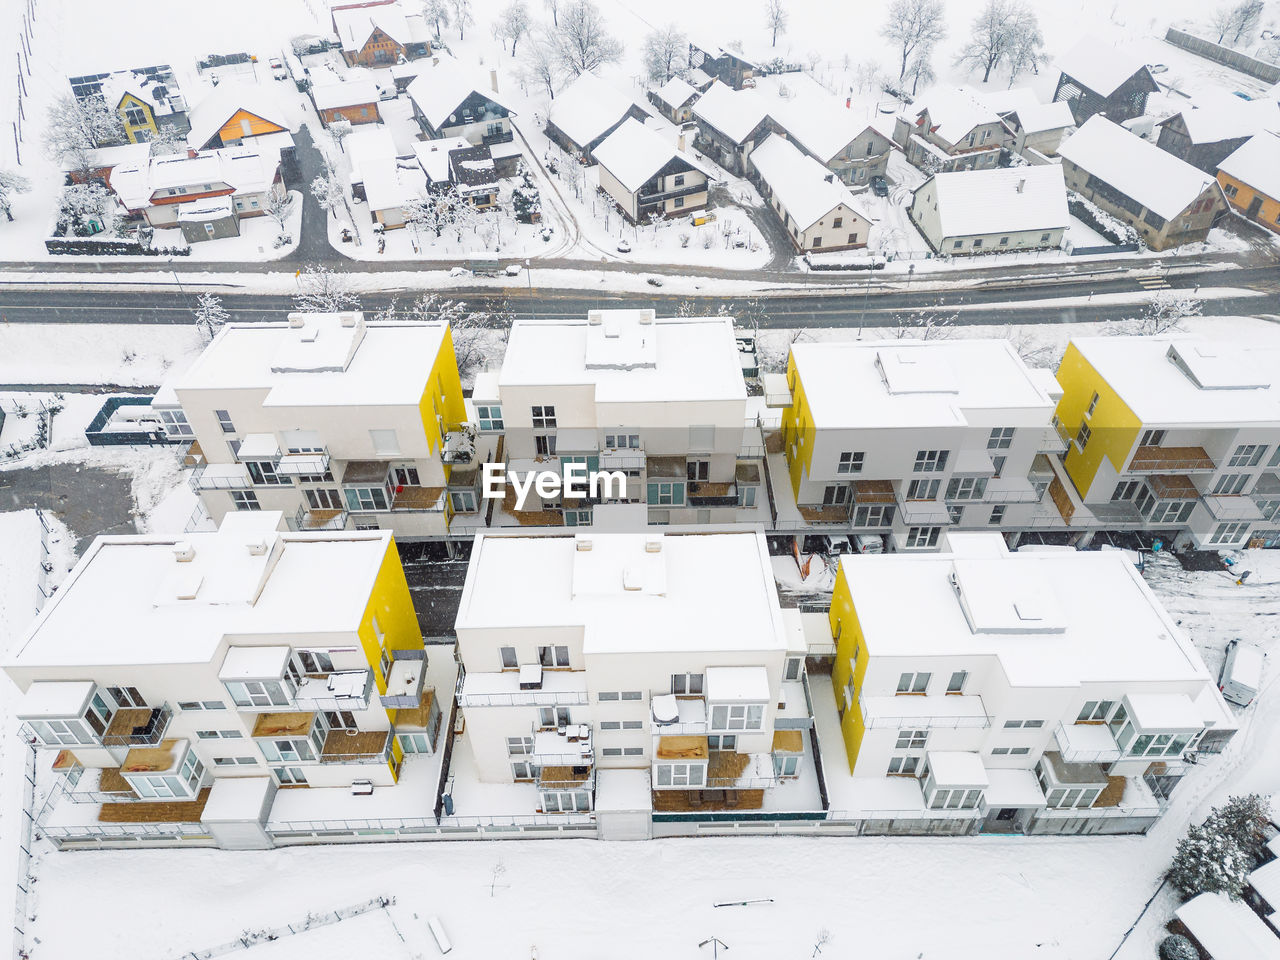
(127, 354)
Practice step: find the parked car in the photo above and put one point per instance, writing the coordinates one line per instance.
(1241, 673)
(879, 186)
(868, 543)
(624, 246)
(278, 71)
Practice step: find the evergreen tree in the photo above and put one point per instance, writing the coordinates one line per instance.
(1210, 860)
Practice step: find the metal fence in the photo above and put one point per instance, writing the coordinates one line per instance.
(1258, 69)
(24, 858)
(310, 922)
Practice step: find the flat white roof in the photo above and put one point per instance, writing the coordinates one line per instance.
(1164, 711)
(1239, 385)
(237, 799)
(908, 606)
(249, 582)
(56, 698)
(737, 684)
(629, 355)
(692, 593)
(321, 363)
(981, 202)
(957, 768)
(1228, 929)
(1012, 788)
(1266, 880)
(900, 383)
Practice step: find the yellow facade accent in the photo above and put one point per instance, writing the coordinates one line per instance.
(1267, 214)
(1113, 425)
(391, 603)
(142, 132)
(443, 408)
(235, 128)
(849, 640)
(798, 430)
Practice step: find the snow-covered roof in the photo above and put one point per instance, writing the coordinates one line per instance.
(1136, 167)
(1156, 377)
(246, 169)
(345, 93)
(201, 211)
(322, 362)
(1227, 117)
(390, 184)
(1039, 117)
(1099, 66)
(633, 153)
(1266, 881)
(628, 355)
(588, 107)
(1024, 610)
(628, 592)
(1007, 101)
(356, 24)
(433, 156)
(980, 202)
(143, 87)
(735, 113)
(1256, 163)
(369, 142)
(248, 580)
(820, 124)
(807, 189)
(221, 104)
(957, 768)
(675, 93)
(953, 111)
(120, 154)
(914, 383)
(1228, 929)
(440, 89)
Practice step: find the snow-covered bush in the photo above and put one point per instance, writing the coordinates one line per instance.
(1178, 947)
(1218, 855)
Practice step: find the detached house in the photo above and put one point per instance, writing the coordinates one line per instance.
(645, 173)
(675, 100)
(587, 111)
(730, 67)
(731, 123)
(353, 100)
(955, 129)
(1250, 178)
(1206, 135)
(144, 98)
(824, 129)
(815, 208)
(1036, 130)
(1096, 78)
(233, 113)
(449, 102)
(1168, 201)
(989, 211)
(380, 33)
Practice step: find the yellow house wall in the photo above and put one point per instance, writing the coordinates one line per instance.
(442, 399)
(797, 430)
(848, 633)
(131, 130)
(233, 130)
(1114, 427)
(1267, 213)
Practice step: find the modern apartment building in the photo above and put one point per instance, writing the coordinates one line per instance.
(338, 422)
(1033, 692)
(182, 681)
(596, 659)
(661, 400)
(908, 438)
(1180, 436)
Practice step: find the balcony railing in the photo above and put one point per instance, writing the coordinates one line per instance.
(1232, 507)
(220, 476)
(137, 726)
(459, 446)
(1086, 743)
(314, 463)
(931, 713)
(1152, 459)
(705, 494)
(340, 690)
(357, 746)
(662, 195)
(315, 519)
(564, 778)
(923, 512)
(489, 139)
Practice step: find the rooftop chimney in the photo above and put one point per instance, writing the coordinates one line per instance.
(493, 80)
(1022, 183)
(183, 551)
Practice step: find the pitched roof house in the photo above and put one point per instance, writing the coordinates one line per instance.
(646, 173)
(1168, 201)
(450, 100)
(1206, 134)
(1250, 178)
(731, 123)
(827, 131)
(816, 209)
(587, 111)
(233, 113)
(145, 100)
(989, 211)
(1096, 78)
(728, 66)
(674, 100)
(379, 33)
(355, 100)
(950, 128)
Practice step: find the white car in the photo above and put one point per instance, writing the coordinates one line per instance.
(624, 246)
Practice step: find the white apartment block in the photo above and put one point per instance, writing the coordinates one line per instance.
(661, 400)
(182, 681)
(338, 422)
(660, 660)
(1036, 692)
(908, 438)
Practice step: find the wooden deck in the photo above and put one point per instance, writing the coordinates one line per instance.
(316, 519)
(531, 518)
(194, 455)
(1172, 486)
(693, 801)
(66, 760)
(151, 759)
(126, 720)
(341, 745)
(1061, 500)
(681, 748)
(564, 777)
(419, 715)
(873, 491)
(110, 781)
(726, 765)
(162, 811)
(283, 724)
(418, 498)
(1112, 795)
(1171, 459)
(788, 741)
(836, 513)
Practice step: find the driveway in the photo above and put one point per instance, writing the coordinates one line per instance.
(313, 244)
(89, 500)
(781, 250)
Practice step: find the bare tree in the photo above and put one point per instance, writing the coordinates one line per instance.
(666, 51)
(994, 33)
(1026, 49)
(867, 75)
(328, 190)
(432, 212)
(540, 64)
(210, 315)
(1235, 21)
(473, 332)
(11, 184)
(81, 203)
(1164, 314)
(340, 129)
(920, 69)
(1034, 352)
(462, 15)
(436, 13)
(322, 290)
(554, 7)
(76, 128)
(583, 42)
(514, 23)
(931, 323)
(167, 141)
(278, 208)
(912, 24)
(775, 18)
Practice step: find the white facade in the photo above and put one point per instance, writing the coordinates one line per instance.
(990, 211)
(332, 420)
(626, 651)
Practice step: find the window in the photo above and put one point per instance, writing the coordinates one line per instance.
(257, 693)
(911, 739)
(406, 476)
(850, 462)
(293, 750)
(544, 444)
(686, 684)
(553, 656)
(1001, 438)
(1151, 438)
(1126, 490)
(508, 655)
(903, 766)
(1093, 405)
(1229, 532)
(817, 242)
(923, 536)
(853, 238)
(724, 741)
(622, 441)
(1247, 455)
(697, 470)
(224, 421)
(1044, 238)
(1230, 190)
(977, 243)
(632, 695)
(997, 516)
(519, 746)
(1014, 724)
(263, 472)
(633, 751)
(544, 417)
(678, 180)
(838, 222)
(175, 423)
(245, 500)
(955, 799)
(681, 774)
(876, 515)
(606, 696)
(957, 245)
(956, 683)
(746, 495)
(1230, 484)
(552, 717)
(913, 683)
(923, 489)
(612, 751)
(679, 202)
(665, 493)
(795, 666)
(367, 498)
(955, 514)
(737, 716)
(489, 416)
(1082, 437)
(930, 461)
(1004, 241)
(966, 488)
(219, 734)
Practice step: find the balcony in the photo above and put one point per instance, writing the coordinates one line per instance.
(290, 725)
(1087, 743)
(704, 494)
(357, 746)
(1011, 490)
(1056, 439)
(489, 139)
(259, 446)
(923, 512)
(565, 778)
(137, 726)
(873, 491)
(220, 476)
(831, 515)
(404, 680)
(555, 688)
(928, 713)
(311, 464)
(341, 690)
(659, 196)
(307, 519)
(673, 715)
(568, 746)
(1171, 460)
(459, 445)
(418, 500)
(1232, 508)
(777, 392)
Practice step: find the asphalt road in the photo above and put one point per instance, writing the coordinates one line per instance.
(1010, 302)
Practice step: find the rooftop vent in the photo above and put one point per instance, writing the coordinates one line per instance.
(297, 320)
(257, 548)
(583, 545)
(653, 546)
(1022, 183)
(183, 551)
(633, 579)
(350, 318)
(595, 318)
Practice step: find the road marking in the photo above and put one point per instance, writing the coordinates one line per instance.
(1153, 283)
